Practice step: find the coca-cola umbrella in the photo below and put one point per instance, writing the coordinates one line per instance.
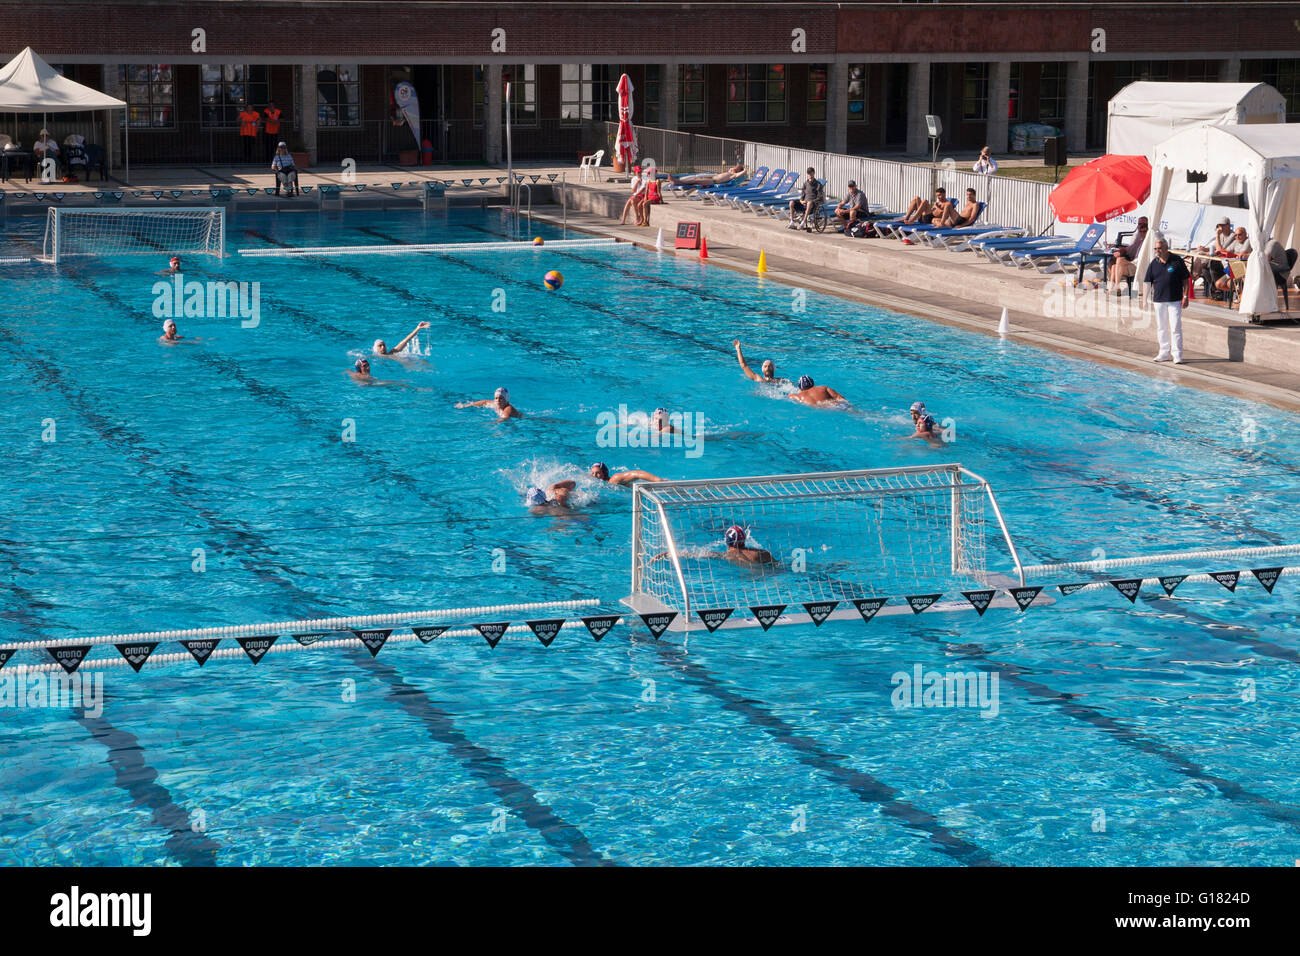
(625, 141)
(1102, 189)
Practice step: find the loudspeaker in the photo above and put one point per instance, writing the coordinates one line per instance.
(1054, 151)
(1196, 177)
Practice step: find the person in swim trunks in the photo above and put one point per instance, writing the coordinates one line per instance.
(500, 400)
(769, 370)
(811, 393)
(925, 425)
(554, 500)
(600, 471)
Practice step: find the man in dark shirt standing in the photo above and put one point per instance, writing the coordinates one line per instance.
(1168, 278)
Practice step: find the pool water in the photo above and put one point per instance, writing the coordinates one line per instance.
(1155, 733)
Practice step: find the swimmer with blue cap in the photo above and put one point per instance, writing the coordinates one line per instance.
(925, 425)
(380, 348)
(810, 393)
(554, 500)
(600, 471)
(360, 373)
(500, 400)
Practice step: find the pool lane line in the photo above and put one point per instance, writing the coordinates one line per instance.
(1112, 727)
(521, 799)
(125, 756)
(809, 752)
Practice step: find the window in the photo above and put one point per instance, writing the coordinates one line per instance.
(1202, 71)
(1013, 94)
(690, 94)
(522, 78)
(857, 92)
(756, 93)
(817, 93)
(150, 96)
(975, 92)
(226, 88)
(338, 95)
(1051, 93)
(1130, 71)
(1284, 76)
(589, 92)
(653, 77)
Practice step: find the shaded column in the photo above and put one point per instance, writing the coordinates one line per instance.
(999, 105)
(918, 104)
(837, 108)
(1076, 105)
(492, 103)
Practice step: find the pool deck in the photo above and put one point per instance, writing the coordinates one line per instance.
(1224, 354)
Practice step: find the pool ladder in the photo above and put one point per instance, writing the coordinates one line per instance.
(514, 208)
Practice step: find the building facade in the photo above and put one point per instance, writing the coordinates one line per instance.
(855, 78)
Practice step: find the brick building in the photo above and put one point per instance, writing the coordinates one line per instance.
(847, 76)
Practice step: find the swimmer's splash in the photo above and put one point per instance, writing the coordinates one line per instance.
(663, 429)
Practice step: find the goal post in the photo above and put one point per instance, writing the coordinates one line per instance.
(174, 230)
(832, 536)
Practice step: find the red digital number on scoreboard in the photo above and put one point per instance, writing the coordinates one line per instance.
(688, 235)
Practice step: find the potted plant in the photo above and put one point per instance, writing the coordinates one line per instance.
(298, 150)
(615, 159)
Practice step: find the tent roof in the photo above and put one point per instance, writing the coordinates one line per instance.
(1146, 98)
(30, 85)
(1270, 150)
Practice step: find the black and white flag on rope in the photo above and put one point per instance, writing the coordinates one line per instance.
(1068, 589)
(979, 600)
(714, 617)
(308, 638)
(920, 602)
(1170, 582)
(1227, 578)
(820, 610)
(429, 632)
(1024, 596)
(600, 624)
(546, 631)
(137, 654)
(658, 622)
(492, 633)
(5, 654)
(1129, 587)
(201, 648)
(868, 607)
(767, 614)
(374, 640)
(256, 647)
(1267, 577)
(69, 658)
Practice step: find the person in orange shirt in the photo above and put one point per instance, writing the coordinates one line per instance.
(248, 121)
(271, 127)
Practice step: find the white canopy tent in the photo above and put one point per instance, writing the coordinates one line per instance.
(1144, 114)
(30, 85)
(1267, 158)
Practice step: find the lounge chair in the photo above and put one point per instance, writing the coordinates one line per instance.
(959, 240)
(1046, 258)
(719, 196)
(916, 231)
(998, 249)
(760, 175)
(779, 205)
(695, 187)
(782, 191)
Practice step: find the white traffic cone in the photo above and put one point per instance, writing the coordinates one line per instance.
(659, 241)
(1004, 326)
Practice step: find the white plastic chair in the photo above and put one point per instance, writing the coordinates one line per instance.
(590, 165)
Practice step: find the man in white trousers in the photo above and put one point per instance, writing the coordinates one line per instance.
(1167, 280)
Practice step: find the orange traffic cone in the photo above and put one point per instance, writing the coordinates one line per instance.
(704, 248)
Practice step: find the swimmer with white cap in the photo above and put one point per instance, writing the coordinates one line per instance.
(554, 500)
(169, 332)
(660, 421)
(381, 349)
(500, 400)
(925, 425)
(769, 370)
(173, 267)
(600, 471)
(811, 393)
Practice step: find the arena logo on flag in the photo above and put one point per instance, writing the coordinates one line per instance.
(137, 654)
(920, 602)
(1267, 577)
(1227, 578)
(1068, 589)
(546, 631)
(256, 647)
(310, 637)
(767, 614)
(658, 623)
(979, 600)
(713, 618)
(820, 610)
(1129, 587)
(868, 607)
(600, 624)
(373, 640)
(1024, 596)
(1170, 582)
(69, 658)
(5, 654)
(492, 633)
(201, 648)
(428, 633)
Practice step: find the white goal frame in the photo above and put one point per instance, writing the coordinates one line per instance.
(648, 504)
(52, 251)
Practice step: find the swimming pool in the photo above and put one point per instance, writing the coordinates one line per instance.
(1157, 733)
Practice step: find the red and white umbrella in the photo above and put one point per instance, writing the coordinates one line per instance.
(625, 141)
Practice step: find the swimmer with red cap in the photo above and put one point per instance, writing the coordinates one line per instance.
(739, 551)
(173, 267)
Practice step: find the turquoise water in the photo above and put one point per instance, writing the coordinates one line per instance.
(1171, 720)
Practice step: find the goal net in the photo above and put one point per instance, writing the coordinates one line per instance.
(834, 536)
(117, 232)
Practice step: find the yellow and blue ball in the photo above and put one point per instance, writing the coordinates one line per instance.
(553, 280)
(537, 240)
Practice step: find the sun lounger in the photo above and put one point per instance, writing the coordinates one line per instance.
(959, 240)
(719, 196)
(757, 179)
(782, 192)
(1037, 257)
